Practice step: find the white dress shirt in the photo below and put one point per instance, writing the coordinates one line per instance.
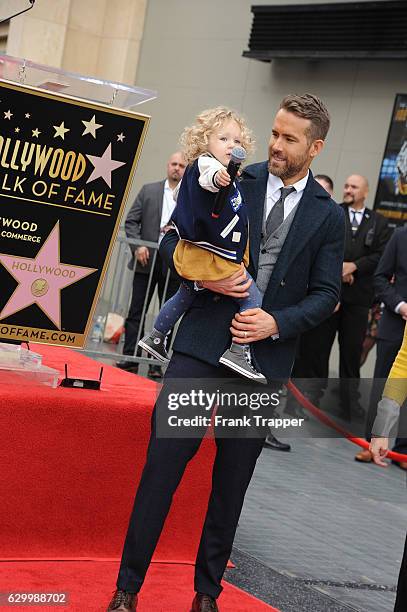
(358, 216)
(168, 208)
(274, 185)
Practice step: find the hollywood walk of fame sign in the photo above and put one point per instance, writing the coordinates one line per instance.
(66, 167)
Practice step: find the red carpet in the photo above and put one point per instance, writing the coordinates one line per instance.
(70, 461)
(89, 585)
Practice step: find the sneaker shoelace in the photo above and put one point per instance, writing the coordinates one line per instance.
(248, 357)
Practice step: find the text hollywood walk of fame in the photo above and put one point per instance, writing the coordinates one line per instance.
(62, 154)
(57, 163)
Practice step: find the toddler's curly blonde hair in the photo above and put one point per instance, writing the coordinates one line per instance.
(194, 139)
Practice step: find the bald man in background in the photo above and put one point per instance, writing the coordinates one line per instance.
(367, 233)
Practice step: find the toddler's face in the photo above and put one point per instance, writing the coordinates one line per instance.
(222, 140)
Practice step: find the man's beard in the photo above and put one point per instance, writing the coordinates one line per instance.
(290, 168)
(349, 200)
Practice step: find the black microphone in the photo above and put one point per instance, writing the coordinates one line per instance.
(237, 157)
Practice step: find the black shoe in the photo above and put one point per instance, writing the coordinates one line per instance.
(123, 602)
(155, 372)
(155, 344)
(128, 366)
(204, 603)
(272, 442)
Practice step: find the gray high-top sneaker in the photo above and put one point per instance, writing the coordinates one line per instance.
(154, 343)
(238, 358)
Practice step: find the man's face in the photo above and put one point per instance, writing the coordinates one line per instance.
(290, 152)
(355, 191)
(175, 167)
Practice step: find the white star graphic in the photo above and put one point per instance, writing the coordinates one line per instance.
(60, 130)
(36, 133)
(121, 137)
(17, 130)
(8, 115)
(27, 115)
(91, 126)
(104, 166)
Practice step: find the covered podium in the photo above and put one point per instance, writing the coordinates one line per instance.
(66, 167)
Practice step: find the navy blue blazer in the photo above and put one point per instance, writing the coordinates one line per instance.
(303, 289)
(193, 220)
(392, 263)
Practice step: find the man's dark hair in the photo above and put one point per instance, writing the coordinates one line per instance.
(326, 178)
(309, 107)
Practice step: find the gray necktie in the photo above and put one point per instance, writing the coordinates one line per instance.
(276, 215)
(354, 223)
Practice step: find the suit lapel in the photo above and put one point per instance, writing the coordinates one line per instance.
(365, 221)
(254, 192)
(311, 213)
(362, 225)
(309, 216)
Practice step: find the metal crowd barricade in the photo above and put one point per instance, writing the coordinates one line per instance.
(116, 296)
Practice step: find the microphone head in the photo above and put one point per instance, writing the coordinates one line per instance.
(238, 155)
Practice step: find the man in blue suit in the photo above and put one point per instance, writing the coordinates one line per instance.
(297, 262)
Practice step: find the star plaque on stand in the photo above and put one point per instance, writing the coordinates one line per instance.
(69, 146)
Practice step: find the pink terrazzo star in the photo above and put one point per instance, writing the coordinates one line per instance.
(104, 166)
(41, 279)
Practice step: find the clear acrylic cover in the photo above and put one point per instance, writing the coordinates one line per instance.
(15, 356)
(20, 365)
(118, 95)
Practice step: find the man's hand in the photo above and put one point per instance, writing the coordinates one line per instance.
(348, 278)
(348, 267)
(253, 325)
(379, 447)
(403, 311)
(235, 286)
(142, 255)
(222, 178)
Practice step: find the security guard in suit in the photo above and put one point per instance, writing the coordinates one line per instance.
(366, 235)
